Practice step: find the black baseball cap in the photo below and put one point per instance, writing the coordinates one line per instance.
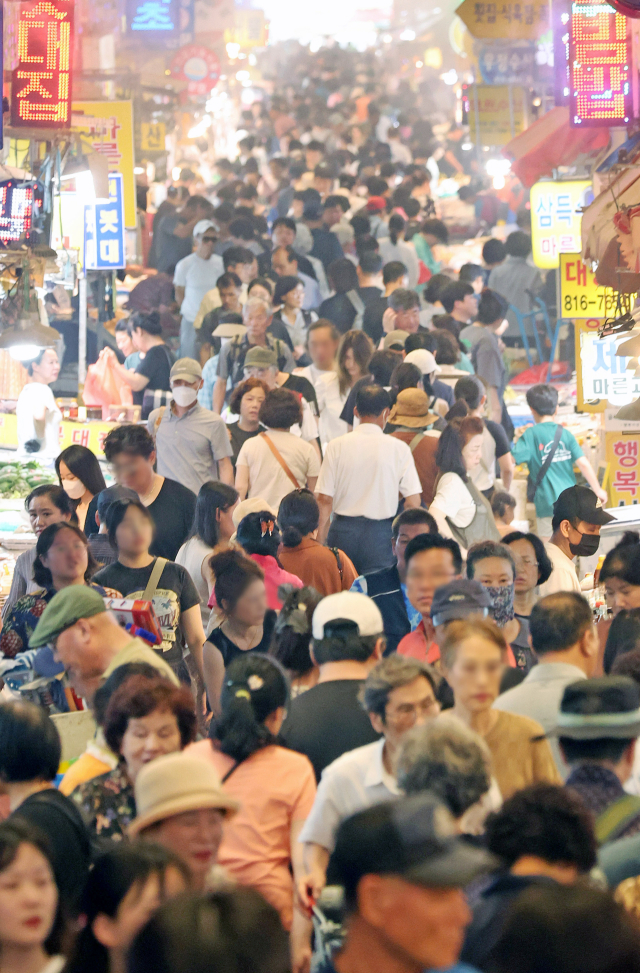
(109, 495)
(413, 837)
(459, 599)
(581, 503)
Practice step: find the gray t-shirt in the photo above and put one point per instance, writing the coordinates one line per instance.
(190, 447)
(487, 361)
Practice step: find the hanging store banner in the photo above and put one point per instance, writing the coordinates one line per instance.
(515, 21)
(602, 376)
(104, 230)
(512, 64)
(556, 218)
(497, 106)
(109, 127)
(600, 65)
(198, 66)
(580, 295)
(621, 451)
(41, 80)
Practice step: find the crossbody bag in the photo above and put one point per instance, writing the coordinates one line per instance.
(281, 460)
(533, 485)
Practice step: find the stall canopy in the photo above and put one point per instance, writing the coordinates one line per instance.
(549, 143)
(598, 227)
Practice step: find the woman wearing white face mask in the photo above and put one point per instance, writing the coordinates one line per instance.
(192, 443)
(81, 479)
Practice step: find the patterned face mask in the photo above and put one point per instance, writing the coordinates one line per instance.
(502, 608)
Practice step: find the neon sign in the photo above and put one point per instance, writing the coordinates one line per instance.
(41, 82)
(16, 211)
(154, 18)
(600, 65)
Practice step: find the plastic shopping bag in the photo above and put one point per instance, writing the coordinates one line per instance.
(103, 386)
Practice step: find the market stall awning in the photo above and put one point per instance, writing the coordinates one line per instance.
(598, 228)
(549, 143)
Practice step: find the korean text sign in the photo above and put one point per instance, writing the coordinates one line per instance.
(41, 81)
(602, 375)
(494, 113)
(600, 65)
(621, 451)
(517, 21)
(580, 295)
(109, 127)
(556, 218)
(104, 230)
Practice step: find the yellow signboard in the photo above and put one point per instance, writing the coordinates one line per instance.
(580, 296)
(622, 457)
(249, 29)
(90, 433)
(515, 21)
(109, 127)
(152, 136)
(556, 218)
(495, 104)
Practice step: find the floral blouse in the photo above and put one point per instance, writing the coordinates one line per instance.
(20, 623)
(107, 804)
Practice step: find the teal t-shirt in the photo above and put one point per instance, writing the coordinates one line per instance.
(532, 448)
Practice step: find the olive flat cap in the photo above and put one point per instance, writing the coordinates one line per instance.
(64, 610)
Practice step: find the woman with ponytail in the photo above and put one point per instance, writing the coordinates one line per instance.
(259, 537)
(394, 247)
(152, 372)
(275, 787)
(460, 510)
(327, 569)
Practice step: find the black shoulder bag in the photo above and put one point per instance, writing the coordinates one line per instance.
(532, 485)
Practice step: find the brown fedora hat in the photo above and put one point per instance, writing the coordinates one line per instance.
(412, 409)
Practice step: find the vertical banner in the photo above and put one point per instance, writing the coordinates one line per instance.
(600, 65)
(104, 230)
(41, 81)
(109, 127)
(624, 470)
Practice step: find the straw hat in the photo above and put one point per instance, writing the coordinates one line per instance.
(176, 783)
(412, 409)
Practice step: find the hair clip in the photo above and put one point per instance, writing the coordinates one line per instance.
(266, 526)
(255, 682)
(242, 694)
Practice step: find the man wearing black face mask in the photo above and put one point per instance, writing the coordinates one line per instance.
(578, 516)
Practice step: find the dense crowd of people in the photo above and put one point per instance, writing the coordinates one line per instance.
(379, 729)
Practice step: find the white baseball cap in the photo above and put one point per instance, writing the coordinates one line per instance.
(350, 605)
(202, 226)
(423, 360)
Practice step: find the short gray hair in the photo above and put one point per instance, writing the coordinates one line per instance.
(256, 304)
(389, 674)
(448, 759)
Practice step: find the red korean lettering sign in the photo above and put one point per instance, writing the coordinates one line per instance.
(600, 65)
(624, 477)
(41, 81)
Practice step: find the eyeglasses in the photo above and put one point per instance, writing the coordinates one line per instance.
(209, 239)
(525, 562)
(411, 711)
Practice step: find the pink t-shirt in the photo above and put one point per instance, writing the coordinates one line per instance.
(275, 788)
(274, 576)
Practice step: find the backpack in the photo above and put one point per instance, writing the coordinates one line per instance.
(357, 304)
(613, 821)
(235, 354)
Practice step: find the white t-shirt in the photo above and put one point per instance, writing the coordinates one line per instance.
(197, 276)
(454, 500)
(365, 471)
(563, 577)
(330, 404)
(267, 479)
(32, 399)
(484, 474)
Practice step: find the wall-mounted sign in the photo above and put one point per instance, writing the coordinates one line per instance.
(109, 127)
(152, 136)
(621, 452)
(500, 112)
(517, 21)
(41, 80)
(580, 295)
(16, 210)
(153, 19)
(600, 65)
(198, 66)
(602, 376)
(104, 230)
(509, 64)
(556, 218)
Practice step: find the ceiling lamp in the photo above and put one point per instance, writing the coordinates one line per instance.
(25, 340)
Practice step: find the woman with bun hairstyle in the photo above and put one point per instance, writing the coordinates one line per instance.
(620, 574)
(247, 621)
(274, 786)
(292, 638)
(82, 480)
(153, 370)
(327, 569)
(259, 537)
(460, 510)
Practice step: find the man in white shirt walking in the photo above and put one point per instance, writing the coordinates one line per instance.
(194, 276)
(578, 516)
(363, 475)
(398, 694)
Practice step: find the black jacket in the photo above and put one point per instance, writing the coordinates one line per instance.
(384, 588)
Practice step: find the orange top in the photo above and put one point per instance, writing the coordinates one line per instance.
(276, 787)
(415, 646)
(317, 566)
